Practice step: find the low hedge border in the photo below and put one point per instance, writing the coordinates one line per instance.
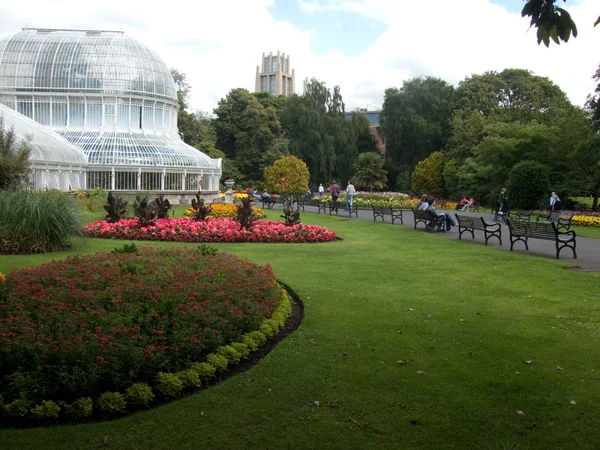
(165, 386)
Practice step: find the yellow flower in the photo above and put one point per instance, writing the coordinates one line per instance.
(2, 278)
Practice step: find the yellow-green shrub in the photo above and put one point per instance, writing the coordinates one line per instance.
(168, 384)
(80, 408)
(17, 408)
(230, 353)
(139, 394)
(219, 362)
(189, 378)
(47, 410)
(112, 402)
(288, 174)
(204, 369)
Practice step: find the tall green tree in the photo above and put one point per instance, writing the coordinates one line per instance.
(14, 159)
(416, 119)
(428, 176)
(229, 112)
(365, 141)
(319, 132)
(193, 127)
(593, 103)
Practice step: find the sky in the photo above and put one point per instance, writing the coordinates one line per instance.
(364, 46)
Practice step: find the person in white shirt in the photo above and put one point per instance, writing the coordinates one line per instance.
(350, 191)
(321, 190)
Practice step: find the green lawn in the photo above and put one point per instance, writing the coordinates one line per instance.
(466, 315)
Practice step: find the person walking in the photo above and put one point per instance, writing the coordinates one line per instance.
(350, 191)
(321, 190)
(555, 205)
(335, 193)
(502, 201)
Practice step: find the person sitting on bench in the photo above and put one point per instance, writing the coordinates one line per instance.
(447, 217)
(266, 197)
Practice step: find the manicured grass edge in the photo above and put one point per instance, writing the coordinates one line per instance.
(227, 361)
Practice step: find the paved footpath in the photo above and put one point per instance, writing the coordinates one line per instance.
(588, 249)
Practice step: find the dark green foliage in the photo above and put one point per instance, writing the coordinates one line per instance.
(551, 21)
(17, 408)
(428, 176)
(139, 394)
(245, 214)
(207, 250)
(528, 185)
(291, 211)
(163, 206)
(201, 211)
(416, 119)
(14, 159)
(37, 221)
(146, 213)
(116, 209)
(112, 403)
(126, 248)
(80, 409)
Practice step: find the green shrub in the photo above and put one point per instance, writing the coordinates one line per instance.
(288, 174)
(268, 329)
(204, 370)
(112, 402)
(18, 408)
(257, 337)
(168, 384)
(230, 353)
(36, 222)
(242, 349)
(126, 248)
(139, 394)
(250, 343)
(14, 159)
(428, 176)
(80, 409)
(527, 185)
(91, 201)
(189, 378)
(219, 362)
(47, 410)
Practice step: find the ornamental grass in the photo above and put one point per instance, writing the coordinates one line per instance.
(96, 323)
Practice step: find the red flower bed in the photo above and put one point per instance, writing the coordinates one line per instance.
(211, 230)
(94, 323)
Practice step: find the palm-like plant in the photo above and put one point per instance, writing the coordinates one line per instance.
(14, 159)
(368, 172)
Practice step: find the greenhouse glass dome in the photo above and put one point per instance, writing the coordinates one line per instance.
(111, 97)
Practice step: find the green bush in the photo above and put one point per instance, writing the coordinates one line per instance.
(47, 410)
(189, 378)
(242, 349)
(527, 185)
(250, 343)
(168, 384)
(36, 222)
(204, 370)
(257, 337)
(91, 201)
(219, 362)
(112, 402)
(139, 394)
(80, 409)
(428, 176)
(288, 174)
(17, 408)
(14, 159)
(230, 353)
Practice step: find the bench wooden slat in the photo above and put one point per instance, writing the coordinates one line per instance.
(522, 231)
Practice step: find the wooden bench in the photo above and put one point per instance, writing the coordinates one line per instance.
(562, 221)
(381, 211)
(522, 231)
(431, 222)
(470, 224)
(268, 203)
(319, 205)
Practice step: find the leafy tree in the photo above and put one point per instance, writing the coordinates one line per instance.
(512, 95)
(229, 168)
(416, 119)
(278, 149)
(14, 159)
(368, 172)
(318, 131)
(593, 103)
(527, 185)
(288, 174)
(364, 139)
(551, 21)
(193, 127)
(428, 176)
(586, 159)
(229, 114)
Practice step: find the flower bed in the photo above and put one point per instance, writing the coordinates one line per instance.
(211, 230)
(227, 210)
(93, 325)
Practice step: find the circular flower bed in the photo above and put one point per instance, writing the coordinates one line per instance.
(82, 326)
(211, 230)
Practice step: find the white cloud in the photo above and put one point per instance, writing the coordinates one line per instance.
(219, 44)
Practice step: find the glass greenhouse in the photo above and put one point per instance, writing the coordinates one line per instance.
(113, 99)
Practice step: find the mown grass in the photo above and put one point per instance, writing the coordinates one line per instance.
(467, 316)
